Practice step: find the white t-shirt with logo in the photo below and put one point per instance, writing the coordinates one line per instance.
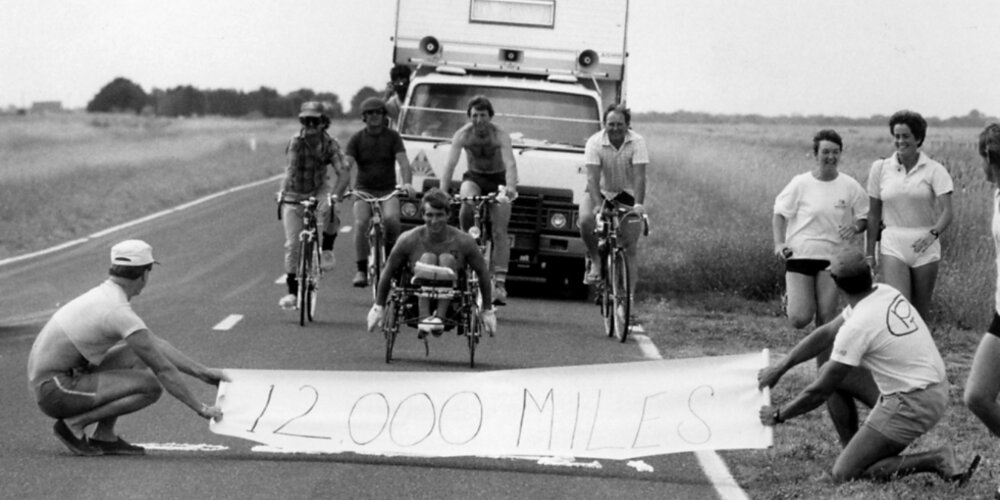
(815, 211)
(885, 334)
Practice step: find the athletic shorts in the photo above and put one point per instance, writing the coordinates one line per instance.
(378, 193)
(488, 183)
(808, 267)
(995, 325)
(68, 394)
(905, 416)
(898, 242)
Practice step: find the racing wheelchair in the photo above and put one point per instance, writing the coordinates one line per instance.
(462, 315)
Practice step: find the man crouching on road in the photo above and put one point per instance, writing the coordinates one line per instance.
(96, 360)
(880, 331)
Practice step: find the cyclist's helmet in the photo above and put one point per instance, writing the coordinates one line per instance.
(311, 109)
(373, 104)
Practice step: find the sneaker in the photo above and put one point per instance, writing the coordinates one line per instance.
(593, 275)
(287, 302)
(117, 447)
(328, 260)
(499, 294)
(432, 325)
(79, 446)
(360, 279)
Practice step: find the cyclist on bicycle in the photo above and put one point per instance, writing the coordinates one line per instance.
(371, 157)
(616, 160)
(437, 244)
(491, 165)
(310, 153)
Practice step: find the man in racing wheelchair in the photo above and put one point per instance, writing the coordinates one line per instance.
(434, 254)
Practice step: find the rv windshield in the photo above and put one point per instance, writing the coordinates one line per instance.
(532, 118)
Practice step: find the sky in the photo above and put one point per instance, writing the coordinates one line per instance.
(852, 58)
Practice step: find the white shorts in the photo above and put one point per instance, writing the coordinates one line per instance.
(898, 242)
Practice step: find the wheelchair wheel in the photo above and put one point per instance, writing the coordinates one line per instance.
(390, 327)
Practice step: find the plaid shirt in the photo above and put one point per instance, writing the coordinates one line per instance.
(306, 173)
(617, 174)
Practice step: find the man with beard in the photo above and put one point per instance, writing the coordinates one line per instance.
(491, 165)
(434, 244)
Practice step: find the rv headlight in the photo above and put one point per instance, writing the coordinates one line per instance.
(408, 209)
(475, 232)
(557, 220)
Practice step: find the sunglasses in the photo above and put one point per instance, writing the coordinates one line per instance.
(310, 121)
(370, 113)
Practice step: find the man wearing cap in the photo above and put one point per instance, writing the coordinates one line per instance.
(310, 153)
(882, 332)
(371, 157)
(96, 360)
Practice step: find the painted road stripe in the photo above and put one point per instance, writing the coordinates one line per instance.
(140, 220)
(713, 465)
(182, 446)
(229, 322)
(281, 279)
(345, 229)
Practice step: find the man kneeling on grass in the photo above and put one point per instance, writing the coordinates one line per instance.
(882, 332)
(95, 360)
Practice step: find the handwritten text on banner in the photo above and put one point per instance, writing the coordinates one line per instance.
(614, 411)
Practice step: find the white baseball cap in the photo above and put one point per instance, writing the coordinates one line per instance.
(132, 253)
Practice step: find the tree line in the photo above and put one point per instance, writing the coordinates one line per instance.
(974, 118)
(122, 95)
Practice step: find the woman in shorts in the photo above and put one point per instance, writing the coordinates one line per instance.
(983, 385)
(817, 213)
(910, 208)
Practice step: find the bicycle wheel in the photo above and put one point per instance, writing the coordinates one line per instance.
(376, 259)
(303, 293)
(473, 331)
(390, 326)
(605, 290)
(620, 282)
(488, 255)
(312, 282)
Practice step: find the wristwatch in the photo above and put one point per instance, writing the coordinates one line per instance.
(935, 233)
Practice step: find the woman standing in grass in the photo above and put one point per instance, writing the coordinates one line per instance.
(906, 190)
(983, 385)
(817, 213)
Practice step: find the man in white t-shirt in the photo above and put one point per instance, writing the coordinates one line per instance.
(96, 360)
(882, 332)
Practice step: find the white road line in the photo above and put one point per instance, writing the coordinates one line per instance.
(345, 229)
(713, 465)
(229, 322)
(183, 446)
(140, 220)
(281, 279)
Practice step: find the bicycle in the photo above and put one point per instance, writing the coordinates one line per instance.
(615, 284)
(482, 229)
(376, 234)
(308, 270)
(465, 301)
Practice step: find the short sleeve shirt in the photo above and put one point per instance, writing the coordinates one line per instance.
(816, 210)
(616, 164)
(908, 198)
(96, 321)
(996, 245)
(885, 334)
(375, 155)
(306, 173)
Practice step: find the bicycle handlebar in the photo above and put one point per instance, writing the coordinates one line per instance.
(367, 197)
(309, 203)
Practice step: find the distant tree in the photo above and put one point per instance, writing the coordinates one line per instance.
(332, 102)
(358, 98)
(181, 101)
(118, 96)
(226, 102)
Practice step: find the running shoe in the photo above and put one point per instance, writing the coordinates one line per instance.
(327, 260)
(79, 446)
(117, 447)
(287, 302)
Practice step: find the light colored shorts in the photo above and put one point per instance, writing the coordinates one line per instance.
(905, 416)
(898, 242)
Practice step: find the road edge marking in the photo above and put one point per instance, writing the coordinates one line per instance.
(711, 463)
(147, 218)
(228, 323)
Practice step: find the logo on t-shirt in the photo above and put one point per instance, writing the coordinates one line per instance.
(901, 317)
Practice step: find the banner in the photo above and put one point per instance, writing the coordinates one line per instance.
(613, 411)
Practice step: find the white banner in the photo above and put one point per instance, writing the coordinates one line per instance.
(614, 411)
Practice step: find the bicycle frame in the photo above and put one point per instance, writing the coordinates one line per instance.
(376, 234)
(615, 285)
(481, 230)
(308, 270)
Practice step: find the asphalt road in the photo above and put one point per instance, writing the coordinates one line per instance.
(222, 258)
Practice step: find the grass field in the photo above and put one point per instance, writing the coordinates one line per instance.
(710, 283)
